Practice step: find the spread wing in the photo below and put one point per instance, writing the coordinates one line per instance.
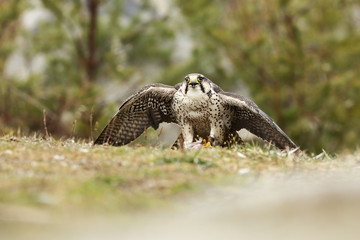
(147, 108)
(246, 114)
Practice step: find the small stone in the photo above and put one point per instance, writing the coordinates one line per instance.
(243, 171)
(9, 152)
(59, 157)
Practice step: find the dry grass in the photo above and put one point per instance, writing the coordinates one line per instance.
(76, 175)
(44, 183)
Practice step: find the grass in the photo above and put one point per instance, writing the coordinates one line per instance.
(64, 175)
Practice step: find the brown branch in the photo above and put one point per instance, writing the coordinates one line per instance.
(45, 125)
(91, 63)
(33, 102)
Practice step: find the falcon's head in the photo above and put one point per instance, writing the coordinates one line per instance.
(196, 84)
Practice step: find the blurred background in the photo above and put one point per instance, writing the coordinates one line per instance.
(75, 61)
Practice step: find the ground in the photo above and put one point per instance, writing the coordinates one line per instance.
(80, 191)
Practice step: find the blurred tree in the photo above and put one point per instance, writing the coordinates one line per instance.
(84, 44)
(300, 60)
(9, 15)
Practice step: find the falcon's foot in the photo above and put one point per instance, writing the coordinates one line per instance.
(200, 143)
(211, 141)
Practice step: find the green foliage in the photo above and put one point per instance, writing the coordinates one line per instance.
(84, 44)
(9, 14)
(297, 59)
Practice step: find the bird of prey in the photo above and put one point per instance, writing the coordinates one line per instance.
(201, 109)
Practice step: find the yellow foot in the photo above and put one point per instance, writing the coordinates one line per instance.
(206, 144)
(200, 143)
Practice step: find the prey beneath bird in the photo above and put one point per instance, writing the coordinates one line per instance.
(201, 109)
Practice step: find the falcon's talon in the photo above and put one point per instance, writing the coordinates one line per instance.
(200, 107)
(211, 140)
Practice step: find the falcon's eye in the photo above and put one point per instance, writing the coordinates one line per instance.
(187, 79)
(200, 78)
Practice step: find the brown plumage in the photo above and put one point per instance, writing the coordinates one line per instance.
(149, 107)
(199, 107)
(255, 121)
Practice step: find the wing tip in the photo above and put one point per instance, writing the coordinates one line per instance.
(99, 140)
(289, 144)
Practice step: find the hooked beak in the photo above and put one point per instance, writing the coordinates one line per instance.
(193, 83)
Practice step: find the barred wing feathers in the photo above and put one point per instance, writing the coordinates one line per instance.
(147, 108)
(246, 114)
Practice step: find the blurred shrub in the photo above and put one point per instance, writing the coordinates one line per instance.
(84, 45)
(297, 59)
(9, 14)
(300, 60)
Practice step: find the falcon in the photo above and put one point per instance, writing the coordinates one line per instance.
(201, 109)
